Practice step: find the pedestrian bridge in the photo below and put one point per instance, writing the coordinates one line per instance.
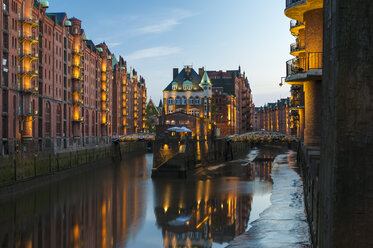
(264, 137)
(135, 137)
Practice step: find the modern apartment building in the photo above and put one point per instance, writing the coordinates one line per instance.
(305, 69)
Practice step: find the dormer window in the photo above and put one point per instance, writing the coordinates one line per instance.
(187, 85)
(174, 86)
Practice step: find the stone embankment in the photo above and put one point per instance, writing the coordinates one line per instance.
(26, 167)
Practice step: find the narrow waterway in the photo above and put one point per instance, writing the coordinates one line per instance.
(119, 205)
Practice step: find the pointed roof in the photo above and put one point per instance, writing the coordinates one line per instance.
(114, 61)
(205, 79)
(190, 76)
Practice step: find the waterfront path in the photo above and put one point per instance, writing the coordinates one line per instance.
(284, 222)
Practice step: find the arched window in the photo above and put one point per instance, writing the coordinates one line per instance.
(197, 101)
(184, 100)
(177, 102)
(58, 121)
(191, 100)
(48, 119)
(170, 101)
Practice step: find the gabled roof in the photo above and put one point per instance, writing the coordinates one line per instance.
(183, 76)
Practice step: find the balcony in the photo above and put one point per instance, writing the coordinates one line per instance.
(32, 56)
(32, 90)
(78, 53)
(31, 38)
(295, 26)
(77, 78)
(80, 119)
(78, 102)
(32, 22)
(304, 68)
(78, 66)
(28, 71)
(293, 3)
(296, 49)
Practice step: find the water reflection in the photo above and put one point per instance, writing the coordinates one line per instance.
(95, 209)
(118, 205)
(198, 213)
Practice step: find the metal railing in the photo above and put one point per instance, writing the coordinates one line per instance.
(294, 47)
(291, 3)
(295, 23)
(27, 71)
(302, 64)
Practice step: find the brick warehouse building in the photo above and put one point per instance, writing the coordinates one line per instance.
(274, 117)
(60, 90)
(236, 106)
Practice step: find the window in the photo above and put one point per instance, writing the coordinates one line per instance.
(197, 101)
(191, 102)
(170, 101)
(183, 100)
(174, 86)
(177, 102)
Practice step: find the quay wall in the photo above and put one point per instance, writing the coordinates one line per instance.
(25, 167)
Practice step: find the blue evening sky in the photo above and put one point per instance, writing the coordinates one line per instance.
(155, 36)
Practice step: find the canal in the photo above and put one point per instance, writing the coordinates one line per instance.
(119, 205)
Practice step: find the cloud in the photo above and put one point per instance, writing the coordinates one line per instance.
(159, 28)
(153, 52)
(167, 24)
(113, 44)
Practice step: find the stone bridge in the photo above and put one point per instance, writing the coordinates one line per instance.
(264, 137)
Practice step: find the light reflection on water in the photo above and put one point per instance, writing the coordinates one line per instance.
(119, 205)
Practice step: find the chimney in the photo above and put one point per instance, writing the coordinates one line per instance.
(176, 72)
(201, 71)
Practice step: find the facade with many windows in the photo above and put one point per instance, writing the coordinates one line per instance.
(59, 91)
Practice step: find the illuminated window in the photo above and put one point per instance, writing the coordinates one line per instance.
(174, 86)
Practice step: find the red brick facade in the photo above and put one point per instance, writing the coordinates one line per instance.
(273, 117)
(58, 89)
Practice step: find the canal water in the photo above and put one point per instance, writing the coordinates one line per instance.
(119, 205)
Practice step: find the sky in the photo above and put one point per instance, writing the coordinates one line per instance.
(155, 36)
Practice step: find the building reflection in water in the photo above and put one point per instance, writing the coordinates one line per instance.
(96, 209)
(197, 213)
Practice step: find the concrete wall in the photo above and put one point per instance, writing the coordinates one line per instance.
(346, 184)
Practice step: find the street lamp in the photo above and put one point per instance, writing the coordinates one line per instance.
(282, 80)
